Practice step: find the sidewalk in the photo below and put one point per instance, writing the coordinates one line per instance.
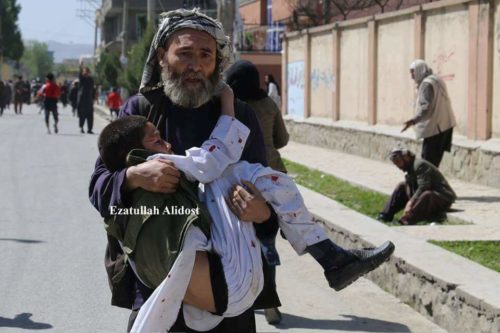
(476, 204)
(458, 294)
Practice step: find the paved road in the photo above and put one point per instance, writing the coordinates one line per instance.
(52, 244)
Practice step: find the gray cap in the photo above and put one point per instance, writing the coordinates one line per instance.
(399, 152)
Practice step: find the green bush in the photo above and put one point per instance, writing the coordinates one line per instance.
(107, 70)
(130, 78)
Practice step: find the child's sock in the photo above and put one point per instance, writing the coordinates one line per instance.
(329, 255)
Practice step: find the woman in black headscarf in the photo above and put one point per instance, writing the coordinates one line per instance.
(243, 78)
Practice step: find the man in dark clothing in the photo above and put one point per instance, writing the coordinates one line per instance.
(18, 95)
(86, 95)
(425, 193)
(185, 61)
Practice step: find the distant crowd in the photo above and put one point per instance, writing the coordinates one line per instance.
(80, 93)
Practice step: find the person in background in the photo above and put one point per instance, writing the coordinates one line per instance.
(18, 95)
(243, 78)
(50, 93)
(434, 119)
(425, 194)
(86, 97)
(273, 89)
(73, 96)
(3, 101)
(114, 102)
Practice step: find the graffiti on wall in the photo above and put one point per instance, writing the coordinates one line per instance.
(439, 61)
(322, 78)
(295, 87)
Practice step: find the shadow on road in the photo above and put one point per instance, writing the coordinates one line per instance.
(480, 199)
(27, 241)
(352, 323)
(23, 321)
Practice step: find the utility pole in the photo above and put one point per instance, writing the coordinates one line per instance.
(123, 57)
(151, 12)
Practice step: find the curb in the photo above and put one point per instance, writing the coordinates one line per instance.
(454, 292)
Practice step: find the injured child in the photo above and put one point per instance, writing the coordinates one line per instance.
(171, 239)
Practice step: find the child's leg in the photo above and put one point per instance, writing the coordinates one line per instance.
(342, 267)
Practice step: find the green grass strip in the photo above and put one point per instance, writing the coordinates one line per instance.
(362, 200)
(486, 253)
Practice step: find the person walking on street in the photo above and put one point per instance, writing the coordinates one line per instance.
(50, 93)
(3, 100)
(243, 78)
(434, 119)
(114, 102)
(187, 55)
(85, 99)
(425, 194)
(18, 95)
(73, 96)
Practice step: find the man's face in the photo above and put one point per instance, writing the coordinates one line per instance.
(152, 140)
(86, 72)
(412, 73)
(400, 163)
(188, 67)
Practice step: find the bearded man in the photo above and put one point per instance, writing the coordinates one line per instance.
(183, 69)
(434, 119)
(425, 194)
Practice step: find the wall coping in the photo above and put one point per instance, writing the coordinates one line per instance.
(378, 17)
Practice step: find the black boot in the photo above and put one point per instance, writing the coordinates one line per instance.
(364, 261)
(343, 267)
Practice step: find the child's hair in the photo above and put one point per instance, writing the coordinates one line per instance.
(118, 138)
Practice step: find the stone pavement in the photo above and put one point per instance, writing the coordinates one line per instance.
(458, 294)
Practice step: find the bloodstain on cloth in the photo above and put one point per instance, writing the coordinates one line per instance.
(212, 148)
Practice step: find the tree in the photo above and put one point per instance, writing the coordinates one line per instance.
(310, 13)
(130, 78)
(38, 59)
(107, 70)
(11, 44)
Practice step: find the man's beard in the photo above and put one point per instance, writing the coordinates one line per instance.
(179, 93)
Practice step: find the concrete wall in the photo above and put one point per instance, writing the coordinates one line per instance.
(361, 104)
(353, 79)
(496, 73)
(395, 53)
(446, 51)
(321, 75)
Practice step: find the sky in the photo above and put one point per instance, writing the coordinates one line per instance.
(56, 20)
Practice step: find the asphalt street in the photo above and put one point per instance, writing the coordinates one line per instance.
(52, 246)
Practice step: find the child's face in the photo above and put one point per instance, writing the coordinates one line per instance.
(152, 140)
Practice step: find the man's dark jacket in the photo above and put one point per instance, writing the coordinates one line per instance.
(183, 129)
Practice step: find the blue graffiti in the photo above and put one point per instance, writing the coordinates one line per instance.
(322, 77)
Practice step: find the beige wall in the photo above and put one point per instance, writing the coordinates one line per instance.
(321, 75)
(295, 77)
(446, 51)
(353, 81)
(395, 54)
(496, 73)
(373, 84)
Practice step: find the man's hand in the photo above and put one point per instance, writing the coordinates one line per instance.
(407, 125)
(155, 176)
(248, 206)
(408, 207)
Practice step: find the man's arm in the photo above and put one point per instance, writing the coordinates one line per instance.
(425, 101)
(224, 147)
(111, 188)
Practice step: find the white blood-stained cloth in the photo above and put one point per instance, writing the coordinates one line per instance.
(235, 241)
